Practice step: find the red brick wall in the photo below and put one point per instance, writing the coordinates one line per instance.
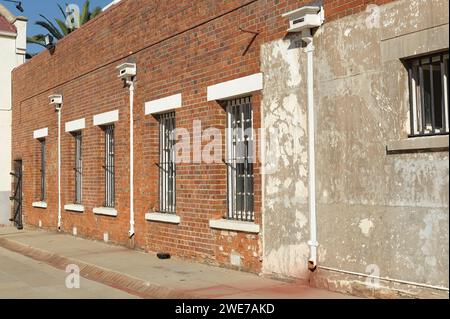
(179, 46)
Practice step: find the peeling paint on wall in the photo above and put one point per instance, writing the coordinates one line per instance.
(292, 259)
(388, 210)
(285, 190)
(366, 225)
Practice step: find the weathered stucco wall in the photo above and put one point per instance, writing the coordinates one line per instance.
(285, 172)
(374, 208)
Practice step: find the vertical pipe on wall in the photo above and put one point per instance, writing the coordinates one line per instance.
(309, 50)
(58, 109)
(131, 231)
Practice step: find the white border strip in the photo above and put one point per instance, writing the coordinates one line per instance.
(43, 132)
(235, 88)
(106, 118)
(76, 125)
(163, 105)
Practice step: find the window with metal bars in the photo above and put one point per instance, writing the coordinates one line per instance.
(240, 159)
(167, 172)
(78, 168)
(43, 171)
(428, 83)
(109, 167)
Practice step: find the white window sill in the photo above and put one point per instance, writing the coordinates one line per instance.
(39, 204)
(225, 224)
(106, 211)
(74, 208)
(418, 144)
(165, 218)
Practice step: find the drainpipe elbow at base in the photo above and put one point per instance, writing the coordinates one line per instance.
(131, 232)
(312, 265)
(312, 262)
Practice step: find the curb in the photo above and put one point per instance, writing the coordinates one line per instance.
(114, 279)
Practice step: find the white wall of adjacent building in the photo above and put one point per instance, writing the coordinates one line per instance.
(12, 54)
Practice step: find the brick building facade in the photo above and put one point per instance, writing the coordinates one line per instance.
(182, 51)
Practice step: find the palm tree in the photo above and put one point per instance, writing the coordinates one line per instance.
(64, 28)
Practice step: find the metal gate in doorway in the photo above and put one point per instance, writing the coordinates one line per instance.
(17, 197)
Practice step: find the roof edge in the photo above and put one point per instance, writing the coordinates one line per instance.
(20, 18)
(7, 14)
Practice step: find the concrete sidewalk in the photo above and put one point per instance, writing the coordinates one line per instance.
(146, 276)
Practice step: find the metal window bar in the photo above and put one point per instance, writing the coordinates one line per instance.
(109, 167)
(78, 168)
(240, 160)
(445, 89)
(428, 82)
(167, 167)
(43, 172)
(432, 89)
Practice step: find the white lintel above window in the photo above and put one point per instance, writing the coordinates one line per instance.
(235, 88)
(76, 125)
(106, 118)
(42, 133)
(164, 104)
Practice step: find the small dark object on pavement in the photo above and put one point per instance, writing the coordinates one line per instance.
(163, 255)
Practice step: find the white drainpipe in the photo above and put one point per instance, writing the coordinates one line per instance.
(303, 20)
(127, 72)
(59, 109)
(131, 88)
(309, 50)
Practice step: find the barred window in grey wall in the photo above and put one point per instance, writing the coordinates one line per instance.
(43, 171)
(167, 172)
(109, 167)
(428, 82)
(240, 159)
(78, 168)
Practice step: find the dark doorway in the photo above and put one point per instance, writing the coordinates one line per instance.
(17, 197)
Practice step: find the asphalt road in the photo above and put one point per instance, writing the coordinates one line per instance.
(25, 278)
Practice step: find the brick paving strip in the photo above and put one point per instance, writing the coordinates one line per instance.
(129, 284)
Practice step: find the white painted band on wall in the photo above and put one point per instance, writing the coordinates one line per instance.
(235, 88)
(76, 125)
(43, 132)
(163, 105)
(106, 118)
(8, 34)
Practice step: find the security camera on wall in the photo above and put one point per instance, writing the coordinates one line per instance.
(127, 71)
(56, 100)
(305, 18)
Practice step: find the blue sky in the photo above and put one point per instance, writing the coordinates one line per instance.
(48, 8)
